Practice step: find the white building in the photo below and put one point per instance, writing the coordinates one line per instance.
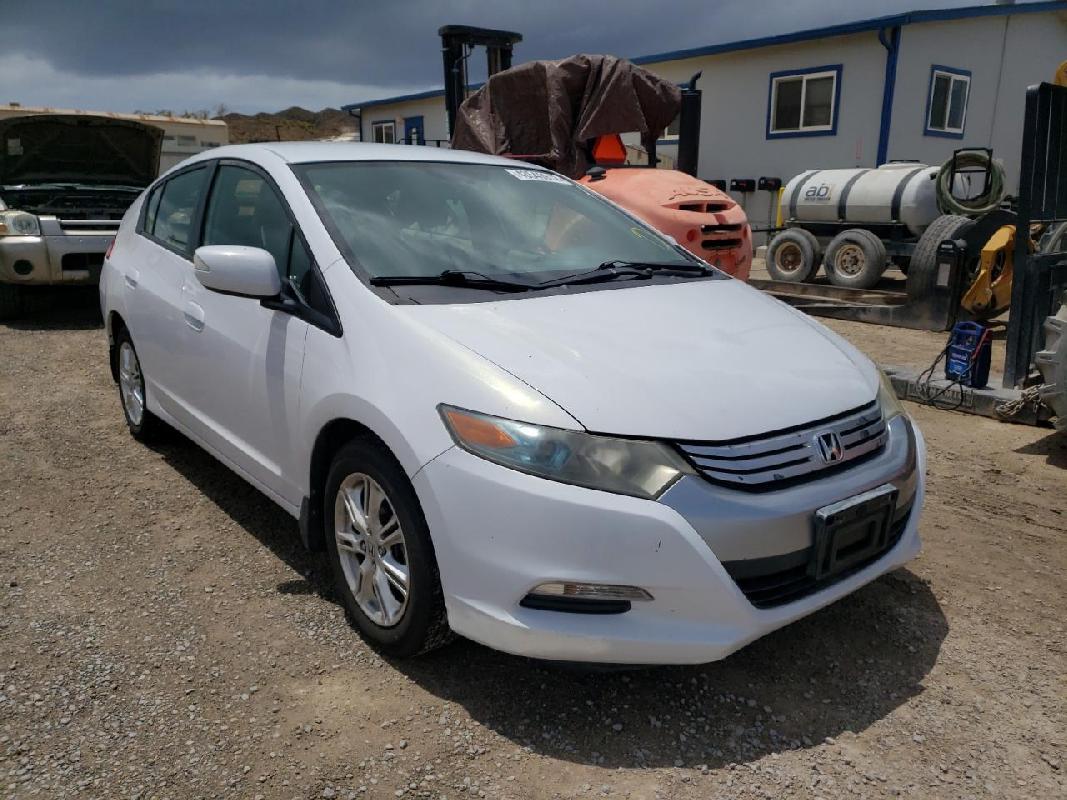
(182, 136)
(911, 86)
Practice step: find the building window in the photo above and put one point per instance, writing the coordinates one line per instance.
(383, 132)
(804, 102)
(946, 103)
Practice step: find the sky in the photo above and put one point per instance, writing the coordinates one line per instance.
(264, 55)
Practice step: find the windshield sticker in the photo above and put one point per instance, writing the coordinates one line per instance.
(14, 147)
(536, 175)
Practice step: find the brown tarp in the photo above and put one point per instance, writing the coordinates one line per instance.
(548, 111)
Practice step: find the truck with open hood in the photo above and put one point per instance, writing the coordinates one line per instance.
(66, 180)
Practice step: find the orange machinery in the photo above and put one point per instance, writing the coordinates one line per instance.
(701, 218)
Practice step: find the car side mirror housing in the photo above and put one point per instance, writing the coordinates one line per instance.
(236, 269)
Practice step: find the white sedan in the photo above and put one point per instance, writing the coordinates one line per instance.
(504, 407)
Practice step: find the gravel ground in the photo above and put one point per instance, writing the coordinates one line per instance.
(162, 634)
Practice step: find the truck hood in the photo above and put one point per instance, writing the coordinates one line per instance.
(702, 360)
(78, 148)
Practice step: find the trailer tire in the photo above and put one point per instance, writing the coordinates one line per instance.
(12, 301)
(792, 256)
(922, 271)
(855, 259)
(1052, 361)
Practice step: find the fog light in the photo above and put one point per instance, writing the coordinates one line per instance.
(584, 598)
(592, 591)
(22, 267)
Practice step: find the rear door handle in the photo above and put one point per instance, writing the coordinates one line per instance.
(194, 316)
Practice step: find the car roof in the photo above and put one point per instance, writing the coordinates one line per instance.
(308, 152)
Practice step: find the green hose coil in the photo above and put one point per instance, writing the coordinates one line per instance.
(975, 206)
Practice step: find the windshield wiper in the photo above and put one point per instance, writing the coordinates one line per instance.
(453, 277)
(610, 270)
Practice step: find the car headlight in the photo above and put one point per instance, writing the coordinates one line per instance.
(624, 466)
(887, 398)
(18, 223)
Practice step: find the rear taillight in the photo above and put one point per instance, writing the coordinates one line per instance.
(110, 247)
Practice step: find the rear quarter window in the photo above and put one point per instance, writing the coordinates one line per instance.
(151, 207)
(174, 214)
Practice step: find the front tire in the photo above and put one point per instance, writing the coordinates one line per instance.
(380, 552)
(143, 425)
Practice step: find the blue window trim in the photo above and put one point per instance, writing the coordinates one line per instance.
(927, 130)
(837, 69)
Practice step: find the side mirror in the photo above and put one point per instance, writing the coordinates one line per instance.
(236, 269)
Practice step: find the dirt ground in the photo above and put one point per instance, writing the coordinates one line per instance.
(163, 635)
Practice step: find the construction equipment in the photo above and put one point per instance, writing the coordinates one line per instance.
(569, 116)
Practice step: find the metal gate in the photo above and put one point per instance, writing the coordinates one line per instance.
(1039, 277)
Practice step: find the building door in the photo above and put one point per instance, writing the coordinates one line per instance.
(413, 131)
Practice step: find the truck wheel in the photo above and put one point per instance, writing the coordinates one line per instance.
(855, 259)
(922, 271)
(1052, 361)
(11, 301)
(791, 256)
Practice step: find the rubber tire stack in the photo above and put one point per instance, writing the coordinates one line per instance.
(875, 259)
(809, 250)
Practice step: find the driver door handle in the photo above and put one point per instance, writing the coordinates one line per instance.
(194, 316)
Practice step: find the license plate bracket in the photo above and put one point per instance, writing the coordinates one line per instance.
(851, 531)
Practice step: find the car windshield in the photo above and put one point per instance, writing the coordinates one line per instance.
(419, 219)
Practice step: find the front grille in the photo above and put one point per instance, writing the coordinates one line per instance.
(775, 581)
(75, 224)
(81, 261)
(712, 207)
(784, 458)
(720, 244)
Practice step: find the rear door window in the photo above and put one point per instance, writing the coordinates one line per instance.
(174, 220)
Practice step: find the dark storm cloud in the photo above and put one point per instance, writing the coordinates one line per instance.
(383, 43)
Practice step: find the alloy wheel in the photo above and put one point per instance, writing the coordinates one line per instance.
(372, 549)
(131, 383)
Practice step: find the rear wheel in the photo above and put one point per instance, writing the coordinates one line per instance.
(855, 259)
(380, 552)
(792, 256)
(142, 423)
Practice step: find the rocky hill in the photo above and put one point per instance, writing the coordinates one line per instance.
(292, 124)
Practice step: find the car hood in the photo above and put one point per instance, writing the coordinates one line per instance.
(78, 148)
(706, 360)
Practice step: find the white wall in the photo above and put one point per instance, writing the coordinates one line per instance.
(432, 110)
(733, 138)
(1029, 46)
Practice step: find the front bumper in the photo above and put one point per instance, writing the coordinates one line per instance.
(64, 253)
(498, 533)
